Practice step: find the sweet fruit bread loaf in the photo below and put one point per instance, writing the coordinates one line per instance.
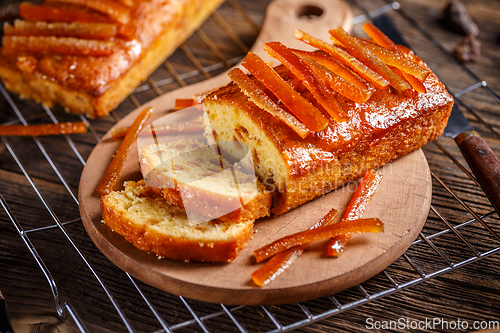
(311, 124)
(153, 225)
(89, 55)
(348, 130)
(193, 176)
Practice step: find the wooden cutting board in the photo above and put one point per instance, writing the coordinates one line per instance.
(402, 203)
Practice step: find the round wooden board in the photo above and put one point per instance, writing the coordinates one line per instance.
(402, 203)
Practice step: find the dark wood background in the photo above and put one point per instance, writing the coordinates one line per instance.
(469, 293)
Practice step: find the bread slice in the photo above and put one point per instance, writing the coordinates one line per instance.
(153, 225)
(95, 85)
(389, 125)
(193, 176)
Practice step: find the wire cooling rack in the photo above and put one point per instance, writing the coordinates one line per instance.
(46, 181)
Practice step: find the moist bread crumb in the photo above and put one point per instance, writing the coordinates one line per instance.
(191, 170)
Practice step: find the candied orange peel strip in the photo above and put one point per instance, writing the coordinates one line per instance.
(346, 58)
(276, 265)
(63, 45)
(378, 36)
(117, 133)
(367, 57)
(44, 129)
(413, 81)
(109, 179)
(361, 226)
(355, 209)
(337, 245)
(338, 84)
(322, 93)
(364, 193)
(383, 40)
(306, 112)
(281, 261)
(44, 13)
(115, 10)
(258, 96)
(327, 61)
(397, 60)
(61, 29)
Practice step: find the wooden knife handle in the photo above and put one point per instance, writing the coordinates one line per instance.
(483, 163)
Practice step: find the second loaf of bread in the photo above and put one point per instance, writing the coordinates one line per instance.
(94, 85)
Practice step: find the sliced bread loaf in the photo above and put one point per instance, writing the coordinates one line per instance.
(153, 225)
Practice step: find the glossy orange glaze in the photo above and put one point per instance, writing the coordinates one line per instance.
(93, 74)
(367, 122)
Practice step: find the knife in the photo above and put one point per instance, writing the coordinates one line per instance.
(5, 326)
(481, 159)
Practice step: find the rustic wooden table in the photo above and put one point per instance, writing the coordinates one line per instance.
(451, 272)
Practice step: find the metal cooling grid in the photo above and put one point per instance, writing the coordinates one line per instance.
(438, 235)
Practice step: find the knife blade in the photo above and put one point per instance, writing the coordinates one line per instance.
(481, 159)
